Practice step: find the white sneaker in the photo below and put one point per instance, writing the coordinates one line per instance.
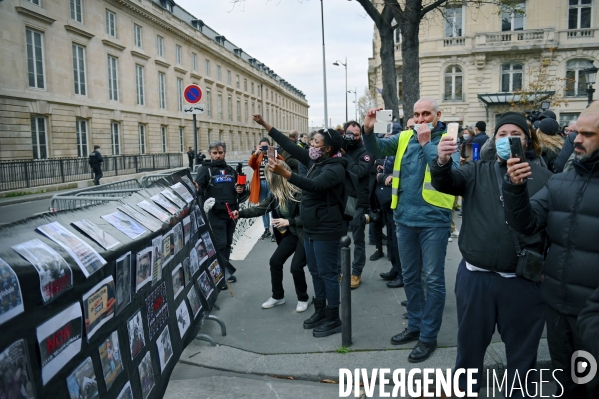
(301, 306)
(456, 233)
(450, 239)
(271, 303)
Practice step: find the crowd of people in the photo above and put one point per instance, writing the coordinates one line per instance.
(525, 188)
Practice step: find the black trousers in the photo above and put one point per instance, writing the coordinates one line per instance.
(288, 244)
(392, 242)
(485, 300)
(223, 230)
(564, 339)
(97, 174)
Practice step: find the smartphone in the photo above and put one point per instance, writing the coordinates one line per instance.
(264, 148)
(384, 115)
(271, 152)
(516, 148)
(452, 130)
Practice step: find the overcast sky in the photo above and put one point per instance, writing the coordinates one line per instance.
(286, 36)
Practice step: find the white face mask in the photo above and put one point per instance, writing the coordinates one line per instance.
(466, 136)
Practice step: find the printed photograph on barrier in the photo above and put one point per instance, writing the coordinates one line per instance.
(154, 211)
(205, 285)
(187, 268)
(180, 189)
(189, 185)
(86, 257)
(194, 263)
(123, 282)
(110, 357)
(178, 280)
(165, 348)
(215, 272)
(208, 243)
(183, 320)
(126, 392)
(143, 272)
(146, 375)
(194, 224)
(59, 340)
(157, 309)
(172, 197)
(199, 217)
(137, 339)
(157, 258)
(168, 247)
(98, 306)
(187, 228)
(125, 224)
(103, 239)
(16, 369)
(151, 224)
(11, 300)
(201, 250)
(178, 231)
(82, 382)
(194, 301)
(164, 203)
(54, 272)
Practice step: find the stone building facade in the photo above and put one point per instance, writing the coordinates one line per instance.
(75, 73)
(474, 60)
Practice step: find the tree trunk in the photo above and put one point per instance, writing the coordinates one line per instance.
(410, 54)
(388, 69)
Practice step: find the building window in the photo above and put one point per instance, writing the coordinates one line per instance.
(113, 84)
(38, 137)
(36, 2)
(237, 81)
(252, 85)
(579, 14)
(142, 139)
(512, 17)
(268, 114)
(163, 138)
(35, 59)
(75, 10)
(160, 46)
(207, 67)
(194, 62)
(137, 35)
(238, 110)
(79, 69)
(253, 108)
(208, 103)
(230, 107)
(453, 21)
(110, 23)
(180, 94)
(576, 81)
(139, 81)
(453, 84)
(209, 136)
(181, 136)
(82, 150)
(259, 109)
(245, 85)
(245, 108)
(218, 73)
(219, 105)
(229, 78)
(511, 77)
(115, 139)
(162, 90)
(259, 91)
(566, 117)
(179, 54)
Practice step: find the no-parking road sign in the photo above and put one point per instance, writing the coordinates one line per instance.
(193, 94)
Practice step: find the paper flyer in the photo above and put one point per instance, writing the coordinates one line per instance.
(165, 348)
(178, 231)
(82, 382)
(194, 301)
(199, 217)
(157, 309)
(125, 224)
(126, 392)
(164, 203)
(157, 259)
(172, 197)
(123, 282)
(146, 375)
(183, 320)
(103, 239)
(215, 272)
(208, 241)
(110, 357)
(189, 185)
(54, 272)
(151, 224)
(15, 367)
(187, 228)
(194, 263)
(201, 250)
(205, 285)
(168, 247)
(180, 189)
(187, 268)
(86, 257)
(98, 306)
(59, 340)
(178, 280)
(143, 272)
(11, 300)
(154, 211)
(137, 339)
(194, 223)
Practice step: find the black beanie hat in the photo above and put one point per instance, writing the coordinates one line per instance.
(514, 119)
(549, 126)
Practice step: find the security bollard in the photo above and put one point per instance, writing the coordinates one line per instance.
(345, 260)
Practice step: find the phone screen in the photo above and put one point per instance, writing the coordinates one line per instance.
(516, 148)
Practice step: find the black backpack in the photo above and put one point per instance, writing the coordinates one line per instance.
(348, 201)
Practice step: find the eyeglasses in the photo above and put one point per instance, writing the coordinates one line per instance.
(325, 131)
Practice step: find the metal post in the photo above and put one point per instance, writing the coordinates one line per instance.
(590, 92)
(346, 119)
(116, 165)
(195, 142)
(62, 170)
(324, 68)
(345, 259)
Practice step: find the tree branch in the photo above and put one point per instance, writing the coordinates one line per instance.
(371, 10)
(432, 6)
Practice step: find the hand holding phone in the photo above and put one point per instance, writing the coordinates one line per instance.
(271, 152)
(516, 148)
(452, 130)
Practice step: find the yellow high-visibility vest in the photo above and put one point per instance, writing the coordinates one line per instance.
(429, 194)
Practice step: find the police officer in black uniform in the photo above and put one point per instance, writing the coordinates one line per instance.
(95, 161)
(216, 184)
(190, 156)
(361, 163)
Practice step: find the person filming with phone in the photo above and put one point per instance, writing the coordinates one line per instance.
(490, 290)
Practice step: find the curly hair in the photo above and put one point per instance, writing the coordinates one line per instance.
(333, 139)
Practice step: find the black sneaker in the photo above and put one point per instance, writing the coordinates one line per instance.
(232, 279)
(265, 234)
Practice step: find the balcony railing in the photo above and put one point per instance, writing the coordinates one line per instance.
(454, 41)
(581, 34)
(25, 173)
(516, 38)
(454, 97)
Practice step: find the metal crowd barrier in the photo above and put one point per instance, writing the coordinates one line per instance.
(94, 195)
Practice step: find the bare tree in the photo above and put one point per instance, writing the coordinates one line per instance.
(365, 102)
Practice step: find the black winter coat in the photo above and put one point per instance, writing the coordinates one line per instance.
(271, 204)
(321, 189)
(485, 240)
(361, 163)
(567, 208)
(588, 324)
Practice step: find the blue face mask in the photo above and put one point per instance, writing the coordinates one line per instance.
(430, 126)
(466, 137)
(503, 148)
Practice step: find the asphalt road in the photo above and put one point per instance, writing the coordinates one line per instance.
(22, 210)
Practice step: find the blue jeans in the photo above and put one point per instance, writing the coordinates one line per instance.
(264, 192)
(422, 250)
(323, 262)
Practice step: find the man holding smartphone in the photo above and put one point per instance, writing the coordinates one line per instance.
(488, 293)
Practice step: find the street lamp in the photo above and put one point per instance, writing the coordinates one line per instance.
(324, 69)
(336, 63)
(355, 91)
(591, 75)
